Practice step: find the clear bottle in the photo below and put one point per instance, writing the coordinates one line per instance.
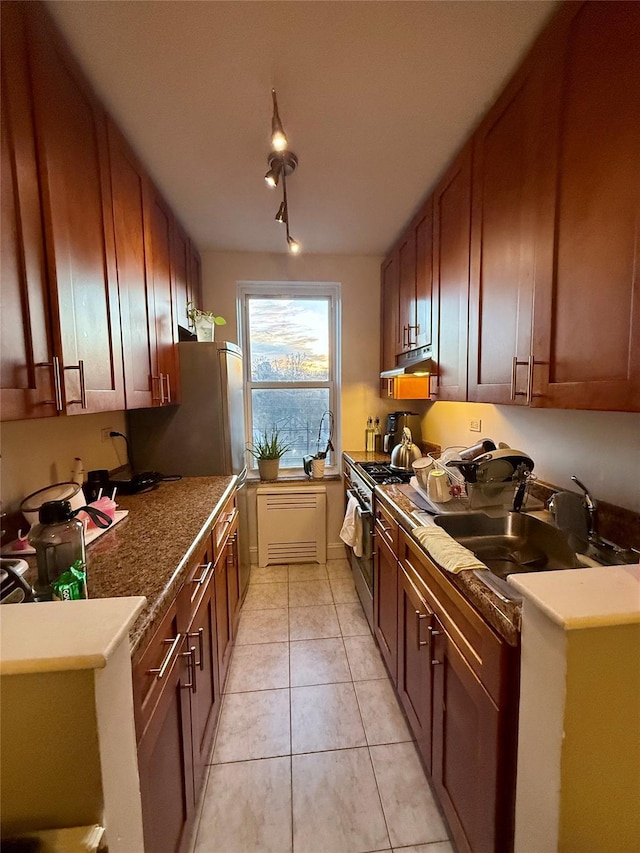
(59, 544)
(369, 443)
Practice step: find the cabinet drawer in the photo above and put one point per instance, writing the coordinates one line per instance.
(486, 654)
(386, 526)
(196, 582)
(223, 525)
(155, 666)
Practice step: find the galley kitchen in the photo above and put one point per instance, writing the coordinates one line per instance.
(320, 435)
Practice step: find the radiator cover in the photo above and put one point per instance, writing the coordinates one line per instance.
(292, 524)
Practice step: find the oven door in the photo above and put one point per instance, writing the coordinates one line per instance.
(362, 567)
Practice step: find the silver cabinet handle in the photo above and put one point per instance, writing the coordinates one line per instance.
(168, 378)
(191, 655)
(433, 392)
(54, 364)
(161, 671)
(157, 379)
(204, 575)
(419, 618)
(200, 635)
(512, 390)
(83, 388)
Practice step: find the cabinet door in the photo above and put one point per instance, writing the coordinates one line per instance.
(205, 700)
(451, 215)
(406, 293)
(389, 308)
(158, 245)
(26, 366)
(165, 749)
(424, 276)
(128, 182)
(233, 580)
(74, 177)
(466, 751)
(180, 275)
(414, 662)
(505, 182)
(587, 305)
(385, 604)
(223, 623)
(195, 276)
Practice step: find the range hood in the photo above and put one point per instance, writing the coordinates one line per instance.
(418, 362)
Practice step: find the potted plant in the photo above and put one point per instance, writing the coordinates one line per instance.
(267, 450)
(204, 322)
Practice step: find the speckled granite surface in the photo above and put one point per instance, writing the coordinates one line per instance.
(503, 617)
(149, 552)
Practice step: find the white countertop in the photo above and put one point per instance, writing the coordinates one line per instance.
(584, 598)
(63, 635)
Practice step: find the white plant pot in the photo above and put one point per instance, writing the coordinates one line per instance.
(205, 330)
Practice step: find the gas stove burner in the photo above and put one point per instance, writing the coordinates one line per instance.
(388, 481)
(384, 474)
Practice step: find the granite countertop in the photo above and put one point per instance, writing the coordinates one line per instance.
(503, 617)
(148, 552)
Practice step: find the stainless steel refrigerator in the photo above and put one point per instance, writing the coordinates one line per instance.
(204, 435)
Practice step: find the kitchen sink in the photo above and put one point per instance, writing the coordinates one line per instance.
(513, 543)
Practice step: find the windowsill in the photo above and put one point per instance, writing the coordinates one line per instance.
(253, 478)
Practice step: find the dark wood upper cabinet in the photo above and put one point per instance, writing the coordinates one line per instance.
(180, 261)
(26, 371)
(587, 304)
(195, 276)
(405, 330)
(451, 233)
(128, 182)
(424, 276)
(73, 159)
(389, 308)
(505, 183)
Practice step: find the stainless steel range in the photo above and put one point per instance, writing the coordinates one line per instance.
(363, 478)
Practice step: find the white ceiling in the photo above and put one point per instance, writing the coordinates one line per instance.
(375, 98)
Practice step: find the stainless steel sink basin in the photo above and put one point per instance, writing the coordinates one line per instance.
(514, 543)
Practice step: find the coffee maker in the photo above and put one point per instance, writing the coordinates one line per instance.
(396, 422)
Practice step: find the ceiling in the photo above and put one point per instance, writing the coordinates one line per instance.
(375, 98)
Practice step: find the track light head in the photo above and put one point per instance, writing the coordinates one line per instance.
(281, 215)
(294, 247)
(278, 137)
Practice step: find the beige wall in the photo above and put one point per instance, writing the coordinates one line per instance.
(36, 453)
(360, 280)
(601, 448)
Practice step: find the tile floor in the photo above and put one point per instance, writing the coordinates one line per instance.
(312, 753)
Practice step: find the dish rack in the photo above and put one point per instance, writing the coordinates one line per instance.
(478, 495)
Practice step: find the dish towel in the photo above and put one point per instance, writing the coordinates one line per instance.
(351, 532)
(448, 553)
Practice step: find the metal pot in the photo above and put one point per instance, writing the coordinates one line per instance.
(405, 453)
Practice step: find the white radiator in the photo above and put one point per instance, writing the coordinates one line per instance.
(292, 524)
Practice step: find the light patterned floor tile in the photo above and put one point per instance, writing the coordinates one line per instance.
(383, 720)
(269, 574)
(343, 590)
(409, 808)
(336, 807)
(263, 626)
(253, 725)
(325, 717)
(353, 622)
(313, 623)
(307, 572)
(266, 596)
(365, 660)
(318, 662)
(247, 808)
(436, 847)
(309, 593)
(261, 667)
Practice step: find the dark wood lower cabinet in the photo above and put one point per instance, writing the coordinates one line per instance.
(178, 680)
(385, 615)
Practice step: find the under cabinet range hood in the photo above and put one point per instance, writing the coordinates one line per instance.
(418, 362)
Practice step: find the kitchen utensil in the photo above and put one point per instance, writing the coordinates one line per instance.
(405, 453)
(72, 492)
(421, 468)
(493, 467)
(479, 449)
(438, 487)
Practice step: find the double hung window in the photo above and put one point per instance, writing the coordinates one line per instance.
(289, 336)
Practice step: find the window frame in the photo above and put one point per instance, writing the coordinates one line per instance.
(293, 290)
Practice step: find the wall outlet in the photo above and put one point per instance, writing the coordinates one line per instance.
(104, 433)
(475, 425)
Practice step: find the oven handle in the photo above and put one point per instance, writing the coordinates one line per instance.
(362, 507)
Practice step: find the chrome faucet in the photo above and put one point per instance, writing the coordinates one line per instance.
(590, 504)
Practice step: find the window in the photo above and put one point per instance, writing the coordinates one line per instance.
(289, 336)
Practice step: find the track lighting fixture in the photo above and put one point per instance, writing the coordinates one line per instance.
(282, 163)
